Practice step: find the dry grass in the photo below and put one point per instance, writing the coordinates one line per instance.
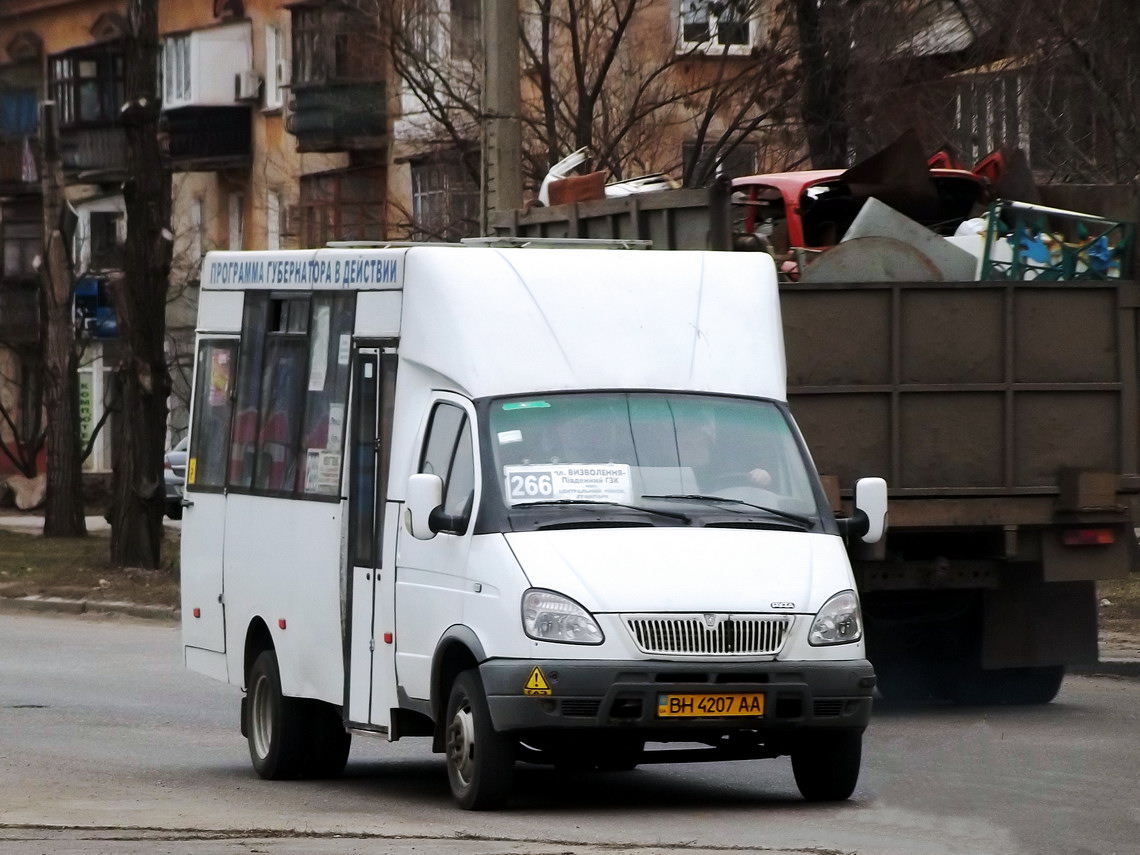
(78, 568)
(1121, 612)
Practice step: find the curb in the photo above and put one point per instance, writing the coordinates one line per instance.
(59, 605)
(1108, 668)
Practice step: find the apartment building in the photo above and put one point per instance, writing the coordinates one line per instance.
(286, 124)
(275, 125)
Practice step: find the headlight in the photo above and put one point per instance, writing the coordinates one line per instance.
(548, 616)
(838, 622)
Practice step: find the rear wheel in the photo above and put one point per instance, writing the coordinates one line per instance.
(327, 742)
(275, 724)
(826, 765)
(480, 762)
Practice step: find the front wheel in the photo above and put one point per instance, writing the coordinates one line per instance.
(480, 762)
(826, 765)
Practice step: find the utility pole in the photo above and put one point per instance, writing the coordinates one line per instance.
(502, 106)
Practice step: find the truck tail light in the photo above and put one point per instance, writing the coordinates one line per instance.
(1088, 537)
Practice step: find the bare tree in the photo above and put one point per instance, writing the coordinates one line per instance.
(600, 75)
(63, 511)
(142, 378)
(1056, 78)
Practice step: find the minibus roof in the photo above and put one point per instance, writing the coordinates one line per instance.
(512, 321)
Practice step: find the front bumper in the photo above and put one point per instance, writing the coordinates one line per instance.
(592, 694)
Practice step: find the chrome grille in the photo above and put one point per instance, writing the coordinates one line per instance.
(709, 634)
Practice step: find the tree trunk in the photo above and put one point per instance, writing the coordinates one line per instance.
(142, 379)
(825, 56)
(63, 509)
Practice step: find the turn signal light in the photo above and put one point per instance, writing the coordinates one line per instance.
(1088, 537)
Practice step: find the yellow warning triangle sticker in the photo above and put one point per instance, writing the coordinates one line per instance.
(536, 684)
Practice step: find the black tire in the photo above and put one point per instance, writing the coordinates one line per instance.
(826, 765)
(174, 510)
(328, 743)
(275, 725)
(1007, 686)
(480, 762)
(620, 755)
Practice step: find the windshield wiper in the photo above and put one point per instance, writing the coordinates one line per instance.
(806, 522)
(671, 514)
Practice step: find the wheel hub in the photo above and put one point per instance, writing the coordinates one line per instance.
(261, 718)
(461, 745)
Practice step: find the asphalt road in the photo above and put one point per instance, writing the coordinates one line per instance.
(108, 745)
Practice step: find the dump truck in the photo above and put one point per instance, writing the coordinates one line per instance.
(1004, 416)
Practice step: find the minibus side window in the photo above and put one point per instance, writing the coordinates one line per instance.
(282, 396)
(213, 406)
(322, 438)
(243, 442)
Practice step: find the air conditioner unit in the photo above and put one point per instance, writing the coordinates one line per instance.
(247, 86)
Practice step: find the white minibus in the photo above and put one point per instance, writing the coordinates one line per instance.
(542, 505)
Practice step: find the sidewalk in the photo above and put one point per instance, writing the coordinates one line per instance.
(33, 523)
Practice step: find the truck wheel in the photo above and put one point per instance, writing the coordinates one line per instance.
(274, 723)
(1010, 686)
(480, 762)
(826, 765)
(621, 755)
(328, 742)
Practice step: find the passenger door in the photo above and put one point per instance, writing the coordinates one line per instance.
(370, 595)
(204, 505)
(431, 574)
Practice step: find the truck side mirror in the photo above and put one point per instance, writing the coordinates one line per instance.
(425, 495)
(869, 521)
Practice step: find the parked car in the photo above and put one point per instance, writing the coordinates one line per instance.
(174, 473)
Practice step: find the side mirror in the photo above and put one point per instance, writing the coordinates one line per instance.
(425, 495)
(869, 521)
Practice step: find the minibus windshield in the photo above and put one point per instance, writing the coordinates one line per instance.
(687, 453)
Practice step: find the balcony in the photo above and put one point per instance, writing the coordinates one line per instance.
(94, 153)
(19, 169)
(339, 116)
(205, 139)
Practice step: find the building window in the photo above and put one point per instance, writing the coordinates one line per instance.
(419, 27)
(95, 379)
(346, 204)
(105, 250)
(445, 197)
(276, 68)
(734, 163)
(989, 112)
(21, 245)
(717, 26)
(272, 220)
(87, 85)
(176, 71)
(334, 44)
(197, 228)
(466, 28)
(237, 230)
